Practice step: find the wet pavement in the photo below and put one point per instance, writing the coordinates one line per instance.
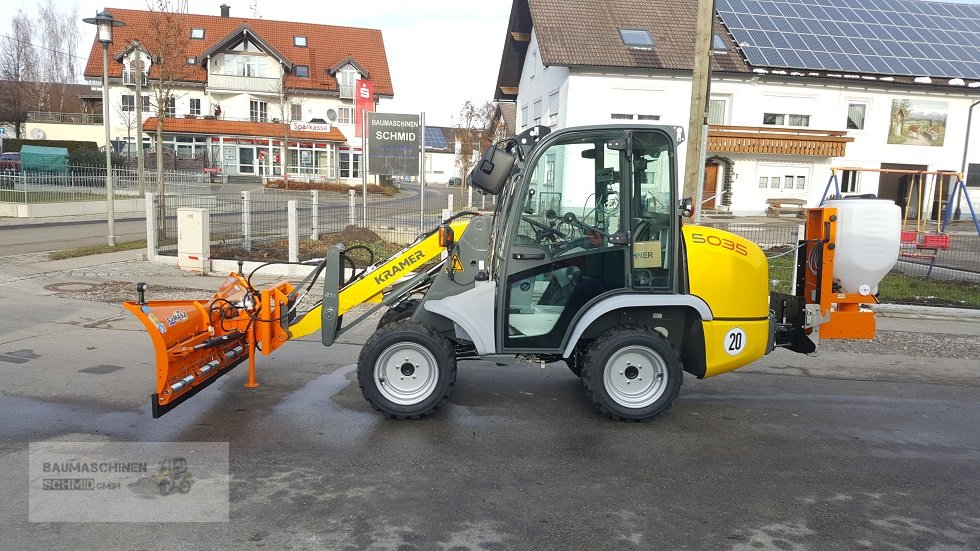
(871, 446)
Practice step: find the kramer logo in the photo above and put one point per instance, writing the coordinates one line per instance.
(402, 266)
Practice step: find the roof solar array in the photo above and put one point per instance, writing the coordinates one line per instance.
(894, 37)
(434, 138)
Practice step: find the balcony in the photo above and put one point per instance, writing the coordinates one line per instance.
(237, 83)
(64, 118)
(777, 141)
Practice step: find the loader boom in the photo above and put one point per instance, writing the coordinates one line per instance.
(198, 341)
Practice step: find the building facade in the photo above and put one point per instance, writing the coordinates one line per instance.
(777, 128)
(253, 97)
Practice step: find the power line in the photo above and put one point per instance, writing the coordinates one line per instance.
(42, 47)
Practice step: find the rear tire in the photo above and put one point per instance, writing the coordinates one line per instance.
(402, 311)
(632, 374)
(406, 370)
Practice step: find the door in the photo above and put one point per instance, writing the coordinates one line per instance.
(246, 160)
(710, 186)
(568, 241)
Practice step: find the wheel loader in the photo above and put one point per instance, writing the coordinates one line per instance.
(586, 259)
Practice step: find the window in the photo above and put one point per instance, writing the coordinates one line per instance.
(716, 111)
(258, 111)
(243, 66)
(197, 34)
(191, 60)
(800, 182)
(345, 115)
(537, 111)
(855, 115)
(648, 117)
(718, 45)
(171, 107)
(130, 76)
(524, 118)
(346, 78)
(973, 175)
(787, 178)
(296, 112)
(299, 41)
(636, 38)
(146, 103)
(195, 108)
(781, 119)
(303, 71)
(850, 182)
(763, 182)
(128, 103)
(621, 116)
(553, 102)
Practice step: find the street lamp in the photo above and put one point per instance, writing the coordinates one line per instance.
(104, 22)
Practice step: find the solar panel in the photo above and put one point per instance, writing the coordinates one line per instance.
(897, 37)
(434, 138)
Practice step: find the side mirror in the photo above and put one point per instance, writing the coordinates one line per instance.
(491, 171)
(687, 207)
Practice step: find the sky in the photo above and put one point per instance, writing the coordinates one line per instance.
(440, 52)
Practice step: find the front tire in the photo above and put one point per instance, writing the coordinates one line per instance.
(406, 370)
(632, 374)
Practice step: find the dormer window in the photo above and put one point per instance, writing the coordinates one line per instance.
(636, 38)
(346, 78)
(299, 41)
(191, 60)
(302, 71)
(197, 34)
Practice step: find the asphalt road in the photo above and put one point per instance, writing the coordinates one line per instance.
(855, 449)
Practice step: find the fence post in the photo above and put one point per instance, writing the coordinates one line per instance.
(353, 209)
(247, 221)
(315, 235)
(293, 230)
(151, 225)
(450, 202)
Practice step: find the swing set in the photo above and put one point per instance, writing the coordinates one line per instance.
(919, 243)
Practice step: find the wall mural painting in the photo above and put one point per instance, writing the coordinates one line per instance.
(918, 122)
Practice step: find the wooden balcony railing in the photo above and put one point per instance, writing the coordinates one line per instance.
(777, 141)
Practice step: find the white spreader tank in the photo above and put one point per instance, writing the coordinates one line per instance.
(868, 239)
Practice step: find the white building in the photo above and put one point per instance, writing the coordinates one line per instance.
(257, 97)
(779, 123)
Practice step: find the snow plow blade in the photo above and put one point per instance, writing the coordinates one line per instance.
(198, 341)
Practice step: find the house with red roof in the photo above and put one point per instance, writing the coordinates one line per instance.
(257, 97)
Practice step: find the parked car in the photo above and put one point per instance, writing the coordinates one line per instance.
(454, 181)
(10, 162)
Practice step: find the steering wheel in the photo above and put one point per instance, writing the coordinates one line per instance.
(543, 231)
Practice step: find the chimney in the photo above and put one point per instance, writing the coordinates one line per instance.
(225, 10)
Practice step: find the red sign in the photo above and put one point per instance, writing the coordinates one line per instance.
(363, 102)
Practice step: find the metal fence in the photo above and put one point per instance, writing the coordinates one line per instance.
(87, 183)
(944, 277)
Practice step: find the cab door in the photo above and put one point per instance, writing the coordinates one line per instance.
(568, 237)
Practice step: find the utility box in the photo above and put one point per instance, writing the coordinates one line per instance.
(194, 240)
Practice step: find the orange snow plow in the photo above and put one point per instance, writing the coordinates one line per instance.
(198, 341)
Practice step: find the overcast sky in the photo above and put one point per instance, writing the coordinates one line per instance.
(440, 52)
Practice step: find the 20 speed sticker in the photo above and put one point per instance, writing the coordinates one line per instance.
(734, 341)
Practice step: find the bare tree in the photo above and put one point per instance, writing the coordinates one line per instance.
(58, 36)
(473, 134)
(18, 66)
(166, 42)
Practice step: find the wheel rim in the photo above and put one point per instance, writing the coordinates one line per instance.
(635, 377)
(406, 373)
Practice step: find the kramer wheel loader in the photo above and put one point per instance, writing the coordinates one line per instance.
(585, 260)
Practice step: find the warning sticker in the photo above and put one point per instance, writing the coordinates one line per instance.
(457, 265)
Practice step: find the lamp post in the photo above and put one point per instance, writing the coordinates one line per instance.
(104, 22)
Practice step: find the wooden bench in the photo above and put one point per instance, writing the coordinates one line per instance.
(781, 205)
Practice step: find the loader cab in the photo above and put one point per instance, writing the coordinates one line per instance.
(590, 215)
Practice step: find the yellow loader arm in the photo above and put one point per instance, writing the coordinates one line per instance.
(198, 341)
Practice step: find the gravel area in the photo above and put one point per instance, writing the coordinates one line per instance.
(930, 345)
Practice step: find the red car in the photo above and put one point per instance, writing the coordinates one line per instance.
(10, 162)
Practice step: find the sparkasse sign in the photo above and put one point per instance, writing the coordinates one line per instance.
(393, 144)
(309, 126)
